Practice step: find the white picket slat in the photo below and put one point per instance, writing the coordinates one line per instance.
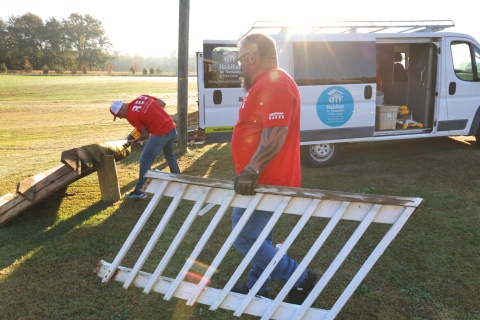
(248, 257)
(201, 244)
(283, 249)
(178, 238)
(136, 230)
(366, 267)
(226, 246)
(306, 261)
(156, 235)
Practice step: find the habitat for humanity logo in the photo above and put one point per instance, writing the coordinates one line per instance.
(335, 106)
(335, 96)
(228, 68)
(229, 57)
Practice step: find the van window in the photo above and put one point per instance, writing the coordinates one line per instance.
(322, 63)
(466, 61)
(399, 69)
(220, 66)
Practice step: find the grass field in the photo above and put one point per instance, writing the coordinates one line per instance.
(48, 253)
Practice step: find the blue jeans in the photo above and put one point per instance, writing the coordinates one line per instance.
(285, 267)
(153, 146)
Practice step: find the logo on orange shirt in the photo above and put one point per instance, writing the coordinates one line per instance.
(136, 108)
(276, 115)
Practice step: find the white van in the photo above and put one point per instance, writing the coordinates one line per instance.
(371, 81)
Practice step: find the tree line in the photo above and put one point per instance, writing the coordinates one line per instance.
(77, 44)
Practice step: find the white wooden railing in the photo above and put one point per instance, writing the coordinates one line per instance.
(200, 195)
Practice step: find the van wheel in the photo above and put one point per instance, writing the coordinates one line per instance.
(320, 155)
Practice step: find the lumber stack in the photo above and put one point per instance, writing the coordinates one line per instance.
(77, 163)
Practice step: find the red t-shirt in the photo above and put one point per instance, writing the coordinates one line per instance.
(273, 100)
(146, 112)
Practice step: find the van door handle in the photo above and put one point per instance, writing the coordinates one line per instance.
(217, 97)
(452, 88)
(367, 92)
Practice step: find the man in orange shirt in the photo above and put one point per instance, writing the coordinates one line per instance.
(147, 115)
(266, 150)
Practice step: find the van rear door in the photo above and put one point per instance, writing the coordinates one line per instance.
(219, 89)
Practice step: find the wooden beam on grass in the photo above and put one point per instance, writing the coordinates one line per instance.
(28, 187)
(77, 163)
(53, 180)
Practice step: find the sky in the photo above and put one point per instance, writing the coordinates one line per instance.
(149, 28)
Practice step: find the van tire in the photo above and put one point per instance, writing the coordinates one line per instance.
(320, 155)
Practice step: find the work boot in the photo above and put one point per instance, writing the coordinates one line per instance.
(242, 288)
(298, 294)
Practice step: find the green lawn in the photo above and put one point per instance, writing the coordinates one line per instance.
(49, 252)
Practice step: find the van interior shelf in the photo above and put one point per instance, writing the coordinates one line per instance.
(397, 26)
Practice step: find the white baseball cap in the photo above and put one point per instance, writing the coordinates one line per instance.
(115, 107)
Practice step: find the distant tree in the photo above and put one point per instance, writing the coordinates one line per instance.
(83, 68)
(24, 36)
(138, 62)
(192, 62)
(67, 60)
(161, 64)
(58, 52)
(3, 42)
(144, 71)
(67, 44)
(78, 44)
(59, 69)
(132, 70)
(27, 66)
(121, 63)
(3, 68)
(173, 61)
(86, 35)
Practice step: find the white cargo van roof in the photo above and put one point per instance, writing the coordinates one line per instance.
(399, 26)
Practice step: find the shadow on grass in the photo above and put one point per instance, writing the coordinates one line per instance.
(215, 162)
(406, 150)
(38, 225)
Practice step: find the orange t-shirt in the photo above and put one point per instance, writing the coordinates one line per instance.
(146, 112)
(272, 101)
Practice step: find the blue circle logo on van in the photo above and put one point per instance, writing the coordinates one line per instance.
(335, 106)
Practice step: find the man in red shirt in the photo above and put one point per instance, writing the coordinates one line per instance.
(147, 115)
(266, 149)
